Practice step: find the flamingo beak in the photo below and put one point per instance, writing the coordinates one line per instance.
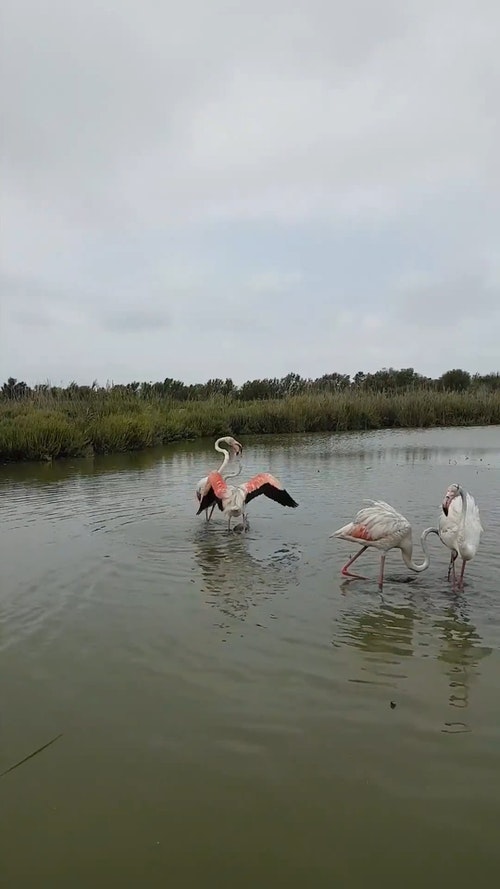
(449, 496)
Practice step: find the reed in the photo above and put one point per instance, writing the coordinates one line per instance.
(44, 428)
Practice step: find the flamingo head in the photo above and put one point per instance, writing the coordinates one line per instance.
(452, 492)
(235, 446)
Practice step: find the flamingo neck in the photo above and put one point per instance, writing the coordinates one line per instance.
(226, 456)
(234, 472)
(224, 462)
(407, 551)
(463, 495)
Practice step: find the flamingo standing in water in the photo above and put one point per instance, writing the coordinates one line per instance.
(232, 499)
(233, 453)
(459, 528)
(381, 526)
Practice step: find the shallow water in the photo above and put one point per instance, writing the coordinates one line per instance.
(225, 700)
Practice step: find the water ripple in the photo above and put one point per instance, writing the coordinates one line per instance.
(104, 544)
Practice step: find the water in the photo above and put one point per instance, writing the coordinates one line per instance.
(225, 700)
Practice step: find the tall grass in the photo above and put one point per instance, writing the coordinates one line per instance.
(45, 428)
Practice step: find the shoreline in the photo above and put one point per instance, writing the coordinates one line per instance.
(47, 430)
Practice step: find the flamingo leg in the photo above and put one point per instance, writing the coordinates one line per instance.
(229, 522)
(451, 566)
(461, 580)
(381, 575)
(207, 516)
(347, 573)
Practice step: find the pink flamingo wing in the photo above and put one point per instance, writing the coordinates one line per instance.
(377, 525)
(218, 484)
(213, 492)
(263, 478)
(361, 532)
(267, 484)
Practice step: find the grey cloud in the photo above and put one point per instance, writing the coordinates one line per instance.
(18, 290)
(38, 303)
(31, 318)
(201, 169)
(136, 320)
(445, 303)
(275, 282)
(202, 108)
(34, 303)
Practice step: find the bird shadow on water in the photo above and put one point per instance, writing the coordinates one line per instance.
(424, 620)
(233, 578)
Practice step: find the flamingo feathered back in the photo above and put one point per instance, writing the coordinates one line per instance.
(378, 524)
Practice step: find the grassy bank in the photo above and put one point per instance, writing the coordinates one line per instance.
(42, 429)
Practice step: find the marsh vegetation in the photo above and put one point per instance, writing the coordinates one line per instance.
(48, 422)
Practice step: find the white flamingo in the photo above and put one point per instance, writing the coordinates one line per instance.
(459, 528)
(381, 526)
(233, 453)
(232, 499)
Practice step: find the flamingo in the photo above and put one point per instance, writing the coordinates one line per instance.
(235, 450)
(232, 499)
(381, 526)
(459, 528)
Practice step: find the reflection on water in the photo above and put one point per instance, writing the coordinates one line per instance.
(461, 652)
(383, 633)
(113, 595)
(234, 577)
(389, 634)
(386, 631)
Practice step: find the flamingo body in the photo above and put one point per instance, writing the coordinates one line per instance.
(381, 526)
(459, 528)
(227, 468)
(232, 499)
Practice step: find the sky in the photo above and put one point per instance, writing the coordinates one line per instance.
(246, 189)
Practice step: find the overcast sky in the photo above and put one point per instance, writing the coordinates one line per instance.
(248, 188)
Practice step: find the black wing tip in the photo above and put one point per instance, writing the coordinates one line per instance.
(208, 500)
(279, 495)
(285, 499)
(205, 502)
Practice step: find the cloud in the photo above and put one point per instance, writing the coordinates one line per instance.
(140, 319)
(19, 290)
(446, 303)
(30, 318)
(269, 186)
(273, 281)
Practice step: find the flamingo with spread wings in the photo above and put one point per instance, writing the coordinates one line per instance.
(233, 453)
(381, 526)
(459, 528)
(232, 499)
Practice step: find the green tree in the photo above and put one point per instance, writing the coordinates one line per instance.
(455, 380)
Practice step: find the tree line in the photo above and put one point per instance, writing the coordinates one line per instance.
(385, 380)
